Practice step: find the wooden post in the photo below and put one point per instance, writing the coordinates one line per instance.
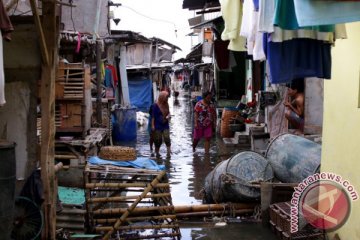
(48, 34)
(98, 83)
(123, 77)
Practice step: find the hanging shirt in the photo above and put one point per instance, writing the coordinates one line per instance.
(286, 18)
(310, 12)
(297, 58)
(232, 13)
(280, 35)
(266, 15)
(256, 5)
(249, 30)
(114, 74)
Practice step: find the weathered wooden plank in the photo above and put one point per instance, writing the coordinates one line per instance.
(49, 40)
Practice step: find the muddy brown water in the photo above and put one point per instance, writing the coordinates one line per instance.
(187, 172)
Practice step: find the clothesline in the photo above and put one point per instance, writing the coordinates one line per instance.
(294, 36)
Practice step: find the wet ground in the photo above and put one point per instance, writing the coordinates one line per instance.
(187, 171)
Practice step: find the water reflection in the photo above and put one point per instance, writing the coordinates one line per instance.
(186, 170)
(243, 231)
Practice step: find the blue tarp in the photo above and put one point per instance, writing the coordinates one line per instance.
(140, 162)
(140, 90)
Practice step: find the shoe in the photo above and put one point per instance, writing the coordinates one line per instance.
(158, 155)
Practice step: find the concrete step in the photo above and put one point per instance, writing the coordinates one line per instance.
(230, 141)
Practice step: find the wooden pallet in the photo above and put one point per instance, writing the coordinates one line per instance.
(126, 200)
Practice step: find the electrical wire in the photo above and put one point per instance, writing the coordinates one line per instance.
(154, 19)
(17, 3)
(23, 13)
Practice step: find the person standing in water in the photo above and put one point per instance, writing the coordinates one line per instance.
(150, 131)
(160, 123)
(204, 121)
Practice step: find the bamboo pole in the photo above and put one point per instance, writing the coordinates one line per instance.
(139, 210)
(160, 226)
(213, 213)
(65, 156)
(212, 207)
(133, 219)
(119, 199)
(123, 185)
(101, 204)
(132, 207)
(70, 74)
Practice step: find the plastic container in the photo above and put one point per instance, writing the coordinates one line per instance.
(124, 125)
(293, 158)
(237, 179)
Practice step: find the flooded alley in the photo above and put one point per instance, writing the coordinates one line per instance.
(272, 101)
(187, 172)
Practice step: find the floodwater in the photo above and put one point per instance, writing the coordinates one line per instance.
(187, 171)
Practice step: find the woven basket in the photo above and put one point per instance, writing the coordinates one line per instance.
(226, 118)
(117, 153)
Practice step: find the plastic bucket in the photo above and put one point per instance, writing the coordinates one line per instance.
(293, 158)
(231, 180)
(124, 125)
(7, 186)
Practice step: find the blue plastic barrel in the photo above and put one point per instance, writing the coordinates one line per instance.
(7, 186)
(293, 158)
(124, 125)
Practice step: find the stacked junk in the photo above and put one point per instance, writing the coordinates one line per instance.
(288, 160)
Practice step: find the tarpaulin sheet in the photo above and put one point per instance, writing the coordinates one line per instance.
(140, 162)
(140, 90)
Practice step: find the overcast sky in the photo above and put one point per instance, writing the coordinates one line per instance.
(156, 18)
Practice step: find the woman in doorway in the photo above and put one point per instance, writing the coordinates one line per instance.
(160, 123)
(204, 121)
